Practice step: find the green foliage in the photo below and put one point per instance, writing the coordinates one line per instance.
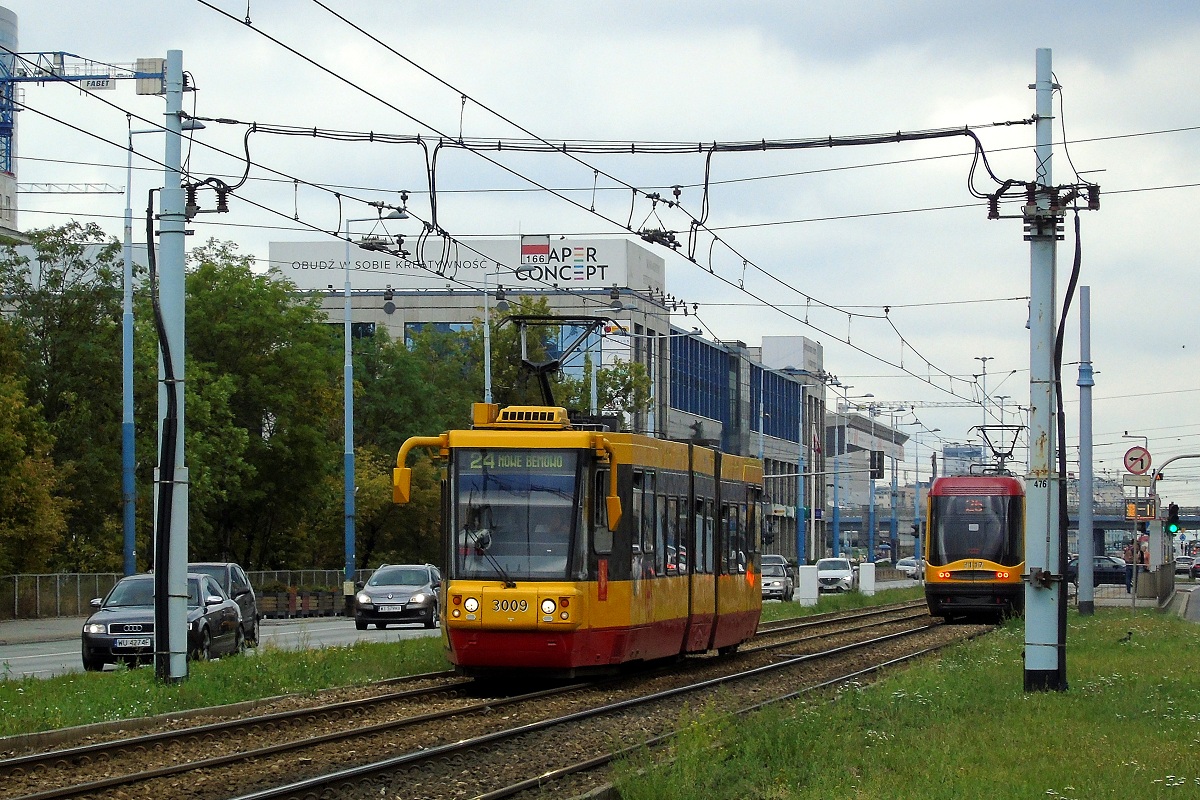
(67, 311)
(32, 517)
(263, 404)
(622, 388)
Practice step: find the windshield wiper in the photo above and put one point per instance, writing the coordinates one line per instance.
(482, 538)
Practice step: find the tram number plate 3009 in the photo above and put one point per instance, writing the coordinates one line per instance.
(520, 606)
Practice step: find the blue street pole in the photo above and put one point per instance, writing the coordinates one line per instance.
(837, 506)
(800, 531)
(871, 525)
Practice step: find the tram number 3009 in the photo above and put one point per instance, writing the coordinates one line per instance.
(510, 605)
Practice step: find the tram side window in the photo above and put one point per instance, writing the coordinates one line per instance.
(706, 555)
(728, 555)
(752, 527)
(735, 551)
(602, 538)
(644, 524)
(742, 539)
(675, 559)
(649, 518)
(660, 535)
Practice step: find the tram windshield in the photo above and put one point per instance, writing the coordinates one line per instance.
(515, 513)
(986, 527)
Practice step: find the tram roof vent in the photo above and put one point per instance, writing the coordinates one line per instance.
(536, 417)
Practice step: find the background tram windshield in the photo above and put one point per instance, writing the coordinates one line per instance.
(979, 527)
(513, 513)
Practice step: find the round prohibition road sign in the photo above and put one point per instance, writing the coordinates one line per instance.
(1137, 460)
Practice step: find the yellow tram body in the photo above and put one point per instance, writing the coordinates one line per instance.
(579, 550)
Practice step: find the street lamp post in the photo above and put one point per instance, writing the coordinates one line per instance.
(894, 527)
(872, 410)
(983, 385)
(128, 484)
(917, 485)
(487, 339)
(800, 504)
(839, 447)
(348, 410)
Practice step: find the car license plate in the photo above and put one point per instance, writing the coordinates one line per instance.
(140, 641)
(390, 609)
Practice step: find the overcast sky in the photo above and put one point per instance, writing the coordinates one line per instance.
(858, 228)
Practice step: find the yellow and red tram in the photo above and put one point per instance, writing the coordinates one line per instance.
(571, 551)
(975, 546)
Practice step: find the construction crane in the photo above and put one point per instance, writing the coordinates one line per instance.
(60, 67)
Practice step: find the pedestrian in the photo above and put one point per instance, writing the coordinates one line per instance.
(1130, 556)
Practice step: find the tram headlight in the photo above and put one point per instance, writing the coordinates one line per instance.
(471, 605)
(548, 606)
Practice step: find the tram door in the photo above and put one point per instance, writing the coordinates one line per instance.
(702, 547)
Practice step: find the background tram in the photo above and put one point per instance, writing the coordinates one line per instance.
(573, 551)
(975, 546)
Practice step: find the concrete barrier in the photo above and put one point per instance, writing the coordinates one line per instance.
(807, 587)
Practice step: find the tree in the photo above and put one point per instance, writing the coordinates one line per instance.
(67, 311)
(32, 517)
(262, 411)
(622, 388)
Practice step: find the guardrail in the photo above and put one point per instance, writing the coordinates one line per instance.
(68, 594)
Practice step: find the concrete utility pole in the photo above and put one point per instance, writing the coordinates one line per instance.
(1045, 645)
(1087, 542)
(171, 649)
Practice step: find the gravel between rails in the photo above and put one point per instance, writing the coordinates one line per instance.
(245, 776)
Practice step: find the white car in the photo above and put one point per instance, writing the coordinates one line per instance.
(836, 575)
(911, 567)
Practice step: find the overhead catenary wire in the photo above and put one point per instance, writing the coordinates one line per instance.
(980, 158)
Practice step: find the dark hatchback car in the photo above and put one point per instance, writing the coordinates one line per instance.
(1105, 569)
(398, 593)
(122, 628)
(232, 578)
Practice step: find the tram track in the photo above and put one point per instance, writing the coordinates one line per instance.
(280, 736)
(581, 741)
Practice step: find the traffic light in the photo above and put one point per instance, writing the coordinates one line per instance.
(1173, 525)
(876, 464)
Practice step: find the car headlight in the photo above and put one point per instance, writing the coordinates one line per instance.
(94, 627)
(363, 599)
(418, 598)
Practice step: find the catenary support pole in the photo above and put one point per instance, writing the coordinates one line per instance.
(1044, 652)
(1087, 542)
(172, 223)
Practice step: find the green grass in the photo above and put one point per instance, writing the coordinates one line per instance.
(962, 726)
(30, 704)
(848, 601)
(33, 704)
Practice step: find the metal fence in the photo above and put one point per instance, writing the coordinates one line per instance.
(69, 594)
(57, 595)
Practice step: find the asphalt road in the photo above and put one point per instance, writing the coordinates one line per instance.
(43, 648)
